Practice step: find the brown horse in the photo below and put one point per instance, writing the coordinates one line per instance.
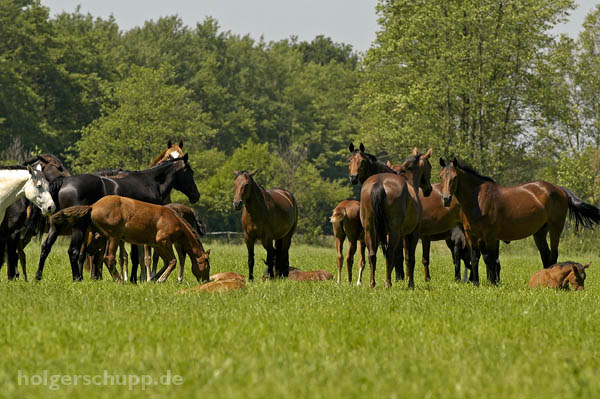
(119, 218)
(361, 166)
(390, 211)
(346, 224)
(492, 212)
(267, 215)
(560, 276)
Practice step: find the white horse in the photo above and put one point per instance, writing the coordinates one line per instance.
(17, 181)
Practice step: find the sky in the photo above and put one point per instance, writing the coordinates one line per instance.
(351, 22)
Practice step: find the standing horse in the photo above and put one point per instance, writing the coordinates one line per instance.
(361, 166)
(151, 185)
(18, 181)
(119, 218)
(345, 220)
(267, 215)
(492, 212)
(390, 211)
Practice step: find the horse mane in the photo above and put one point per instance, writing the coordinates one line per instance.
(13, 167)
(111, 172)
(469, 169)
(373, 160)
(55, 185)
(159, 157)
(190, 229)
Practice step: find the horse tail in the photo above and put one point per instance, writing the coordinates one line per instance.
(584, 214)
(377, 200)
(339, 213)
(74, 215)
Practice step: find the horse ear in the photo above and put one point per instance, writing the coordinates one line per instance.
(185, 157)
(587, 265)
(169, 143)
(254, 172)
(362, 147)
(207, 252)
(30, 170)
(575, 270)
(351, 147)
(455, 161)
(181, 143)
(389, 164)
(428, 153)
(235, 172)
(442, 162)
(415, 151)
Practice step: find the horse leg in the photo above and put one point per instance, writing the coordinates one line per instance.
(283, 254)
(390, 258)
(22, 258)
(166, 252)
(339, 247)
(555, 231)
(134, 264)
(350, 260)
(110, 258)
(123, 260)
(155, 259)
(12, 259)
(399, 261)
(181, 257)
(426, 244)
(542, 245)
(268, 245)
(455, 251)
(372, 248)
(410, 242)
(490, 257)
(77, 239)
(148, 258)
(46, 248)
(361, 265)
(250, 247)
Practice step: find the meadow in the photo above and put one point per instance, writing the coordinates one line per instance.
(303, 340)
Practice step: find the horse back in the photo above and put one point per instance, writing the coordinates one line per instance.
(83, 189)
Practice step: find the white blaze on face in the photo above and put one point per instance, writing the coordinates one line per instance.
(174, 155)
(39, 167)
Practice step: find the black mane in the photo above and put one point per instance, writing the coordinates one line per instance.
(471, 170)
(13, 167)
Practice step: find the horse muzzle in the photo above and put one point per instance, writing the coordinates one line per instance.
(447, 200)
(353, 179)
(237, 205)
(48, 210)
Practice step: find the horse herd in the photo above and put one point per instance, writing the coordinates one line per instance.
(398, 206)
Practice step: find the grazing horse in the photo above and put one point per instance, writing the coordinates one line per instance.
(18, 181)
(120, 218)
(345, 220)
(151, 185)
(560, 276)
(361, 166)
(390, 211)
(492, 212)
(267, 215)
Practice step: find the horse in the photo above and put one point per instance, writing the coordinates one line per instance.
(560, 276)
(267, 215)
(125, 219)
(17, 181)
(345, 221)
(361, 166)
(151, 185)
(390, 211)
(172, 151)
(437, 224)
(492, 212)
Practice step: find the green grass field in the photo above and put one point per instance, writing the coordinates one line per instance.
(308, 340)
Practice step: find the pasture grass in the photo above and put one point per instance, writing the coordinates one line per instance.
(305, 340)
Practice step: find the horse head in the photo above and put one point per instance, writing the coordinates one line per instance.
(184, 179)
(417, 167)
(358, 163)
(242, 183)
(576, 277)
(37, 190)
(449, 181)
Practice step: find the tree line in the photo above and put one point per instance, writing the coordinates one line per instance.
(487, 82)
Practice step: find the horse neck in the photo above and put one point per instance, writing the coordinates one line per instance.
(376, 167)
(563, 279)
(468, 190)
(255, 204)
(12, 183)
(164, 188)
(192, 244)
(414, 179)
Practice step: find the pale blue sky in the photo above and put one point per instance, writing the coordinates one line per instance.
(349, 21)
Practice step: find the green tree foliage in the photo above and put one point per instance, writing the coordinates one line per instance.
(142, 113)
(455, 76)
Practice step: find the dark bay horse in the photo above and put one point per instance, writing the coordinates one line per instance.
(267, 215)
(125, 219)
(390, 211)
(361, 166)
(493, 213)
(345, 221)
(560, 276)
(151, 185)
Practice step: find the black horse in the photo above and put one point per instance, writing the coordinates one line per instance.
(151, 185)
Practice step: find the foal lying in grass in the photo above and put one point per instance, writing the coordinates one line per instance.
(560, 276)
